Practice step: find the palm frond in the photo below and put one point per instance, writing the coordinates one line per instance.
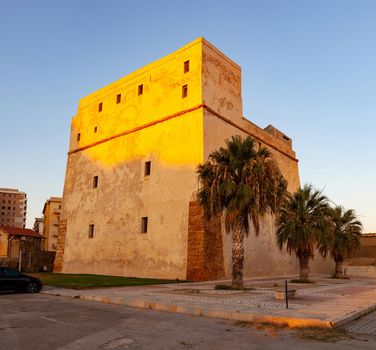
(241, 180)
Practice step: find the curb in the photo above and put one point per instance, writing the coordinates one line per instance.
(342, 321)
(290, 322)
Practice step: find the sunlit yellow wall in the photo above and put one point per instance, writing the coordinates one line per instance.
(124, 194)
(162, 96)
(3, 244)
(51, 214)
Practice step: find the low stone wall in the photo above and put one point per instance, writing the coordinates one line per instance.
(40, 261)
(9, 262)
(360, 271)
(44, 261)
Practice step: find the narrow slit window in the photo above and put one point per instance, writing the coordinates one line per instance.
(186, 66)
(95, 181)
(184, 91)
(95, 129)
(78, 137)
(140, 89)
(147, 169)
(91, 231)
(100, 107)
(144, 224)
(118, 98)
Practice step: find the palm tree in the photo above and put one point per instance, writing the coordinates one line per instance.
(346, 232)
(303, 225)
(242, 182)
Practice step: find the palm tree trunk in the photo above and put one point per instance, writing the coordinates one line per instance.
(339, 270)
(237, 254)
(303, 266)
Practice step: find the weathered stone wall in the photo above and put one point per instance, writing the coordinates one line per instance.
(205, 246)
(175, 133)
(367, 248)
(60, 246)
(160, 126)
(221, 81)
(360, 271)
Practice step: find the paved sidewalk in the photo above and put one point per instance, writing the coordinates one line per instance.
(365, 325)
(327, 303)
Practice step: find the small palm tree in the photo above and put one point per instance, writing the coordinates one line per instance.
(243, 182)
(303, 225)
(346, 232)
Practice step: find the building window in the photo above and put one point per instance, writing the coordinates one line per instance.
(100, 107)
(78, 137)
(95, 129)
(184, 91)
(91, 231)
(95, 181)
(144, 224)
(147, 169)
(140, 89)
(118, 98)
(186, 66)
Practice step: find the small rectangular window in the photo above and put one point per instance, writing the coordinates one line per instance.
(78, 137)
(147, 169)
(140, 89)
(95, 181)
(184, 91)
(95, 129)
(186, 66)
(91, 231)
(144, 225)
(118, 98)
(100, 107)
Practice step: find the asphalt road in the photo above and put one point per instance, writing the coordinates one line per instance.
(36, 322)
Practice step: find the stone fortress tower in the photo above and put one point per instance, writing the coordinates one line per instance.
(129, 195)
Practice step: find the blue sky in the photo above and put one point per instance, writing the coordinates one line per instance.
(309, 68)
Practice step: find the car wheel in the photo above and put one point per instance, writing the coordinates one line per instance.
(32, 287)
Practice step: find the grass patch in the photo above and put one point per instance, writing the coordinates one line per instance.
(227, 287)
(85, 281)
(264, 326)
(302, 281)
(223, 287)
(323, 335)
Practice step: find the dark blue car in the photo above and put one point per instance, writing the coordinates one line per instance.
(12, 280)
